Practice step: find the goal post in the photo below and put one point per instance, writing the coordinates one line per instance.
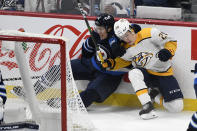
(74, 116)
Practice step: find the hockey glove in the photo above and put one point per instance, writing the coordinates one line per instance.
(164, 55)
(108, 63)
(136, 28)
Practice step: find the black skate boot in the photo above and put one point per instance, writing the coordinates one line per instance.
(147, 111)
(18, 91)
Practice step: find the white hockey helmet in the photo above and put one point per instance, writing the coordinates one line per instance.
(121, 27)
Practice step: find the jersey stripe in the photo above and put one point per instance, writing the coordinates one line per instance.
(142, 91)
(87, 47)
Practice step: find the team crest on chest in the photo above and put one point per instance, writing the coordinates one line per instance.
(142, 59)
(104, 52)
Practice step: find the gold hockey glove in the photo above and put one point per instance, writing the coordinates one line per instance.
(108, 63)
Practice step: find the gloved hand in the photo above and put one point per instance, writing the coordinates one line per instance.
(108, 63)
(136, 28)
(164, 55)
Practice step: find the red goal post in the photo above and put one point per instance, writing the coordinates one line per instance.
(55, 40)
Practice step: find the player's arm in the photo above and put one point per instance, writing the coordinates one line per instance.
(121, 63)
(167, 44)
(116, 64)
(88, 48)
(168, 51)
(171, 46)
(117, 47)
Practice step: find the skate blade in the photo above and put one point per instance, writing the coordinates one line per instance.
(148, 116)
(17, 95)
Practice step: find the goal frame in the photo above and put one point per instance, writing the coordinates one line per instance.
(62, 44)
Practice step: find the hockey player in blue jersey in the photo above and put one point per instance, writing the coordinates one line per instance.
(195, 80)
(3, 97)
(102, 83)
(193, 122)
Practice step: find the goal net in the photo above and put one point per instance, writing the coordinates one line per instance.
(39, 83)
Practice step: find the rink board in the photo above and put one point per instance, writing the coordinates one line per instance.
(74, 27)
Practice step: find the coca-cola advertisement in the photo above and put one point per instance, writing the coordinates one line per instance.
(41, 56)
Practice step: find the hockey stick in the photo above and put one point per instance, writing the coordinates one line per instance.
(19, 125)
(90, 30)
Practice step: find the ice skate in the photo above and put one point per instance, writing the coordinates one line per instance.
(18, 91)
(147, 111)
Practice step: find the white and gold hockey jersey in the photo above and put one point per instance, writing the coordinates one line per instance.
(143, 53)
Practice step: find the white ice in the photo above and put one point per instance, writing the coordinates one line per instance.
(107, 118)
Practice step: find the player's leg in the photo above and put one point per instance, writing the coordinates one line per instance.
(82, 71)
(48, 79)
(100, 88)
(79, 71)
(137, 78)
(171, 96)
(193, 123)
(3, 98)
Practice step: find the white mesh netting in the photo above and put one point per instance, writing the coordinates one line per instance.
(45, 81)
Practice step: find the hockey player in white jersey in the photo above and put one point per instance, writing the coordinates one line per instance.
(150, 51)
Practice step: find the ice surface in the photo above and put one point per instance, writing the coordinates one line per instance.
(108, 118)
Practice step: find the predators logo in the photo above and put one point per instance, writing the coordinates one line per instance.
(142, 59)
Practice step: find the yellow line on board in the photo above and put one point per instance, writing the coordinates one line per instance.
(131, 100)
(116, 99)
